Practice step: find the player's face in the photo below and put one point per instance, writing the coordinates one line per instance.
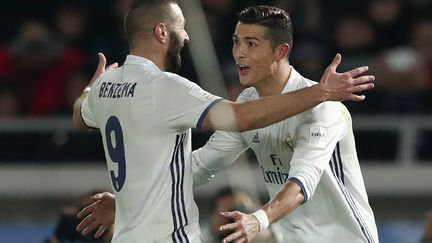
(178, 37)
(255, 58)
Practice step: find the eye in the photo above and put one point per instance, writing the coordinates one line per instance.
(252, 44)
(236, 42)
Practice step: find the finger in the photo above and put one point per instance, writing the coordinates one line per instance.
(354, 97)
(356, 72)
(100, 231)
(87, 210)
(112, 66)
(100, 67)
(84, 224)
(97, 196)
(335, 63)
(230, 226)
(362, 87)
(102, 63)
(230, 215)
(232, 237)
(363, 79)
(91, 227)
(241, 240)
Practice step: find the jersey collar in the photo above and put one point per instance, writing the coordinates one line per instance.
(293, 79)
(138, 60)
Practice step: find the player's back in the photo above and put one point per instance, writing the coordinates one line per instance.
(148, 149)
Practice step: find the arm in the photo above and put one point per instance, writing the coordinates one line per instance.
(222, 149)
(76, 118)
(311, 157)
(247, 226)
(230, 116)
(98, 215)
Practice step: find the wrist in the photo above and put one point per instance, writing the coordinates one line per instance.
(321, 92)
(262, 219)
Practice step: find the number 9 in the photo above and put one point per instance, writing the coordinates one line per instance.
(116, 151)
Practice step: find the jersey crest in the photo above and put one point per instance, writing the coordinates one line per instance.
(255, 138)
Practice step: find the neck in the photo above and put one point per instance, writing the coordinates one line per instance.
(275, 83)
(153, 53)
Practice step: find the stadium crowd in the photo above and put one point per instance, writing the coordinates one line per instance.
(48, 51)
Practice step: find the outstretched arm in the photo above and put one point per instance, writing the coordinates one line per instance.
(77, 119)
(231, 116)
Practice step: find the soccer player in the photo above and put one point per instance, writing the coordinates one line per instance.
(145, 113)
(309, 161)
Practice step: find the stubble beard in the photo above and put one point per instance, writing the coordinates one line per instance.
(173, 59)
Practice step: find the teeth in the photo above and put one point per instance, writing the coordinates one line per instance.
(242, 66)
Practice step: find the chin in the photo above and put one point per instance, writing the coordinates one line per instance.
(246, 81)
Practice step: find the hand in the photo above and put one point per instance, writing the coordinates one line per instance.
(100, 214)
(342, 86)
(245, 227)
(76, 118)
(101, 68)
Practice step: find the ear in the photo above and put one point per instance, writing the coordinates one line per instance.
(282, 51)
(161, 33)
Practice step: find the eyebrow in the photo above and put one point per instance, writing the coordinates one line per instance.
(247, 37)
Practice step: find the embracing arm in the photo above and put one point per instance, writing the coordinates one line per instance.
(222, 149)
(76, 118)
(279, 206)
(232, 116)
(247, 226)
(99, 215)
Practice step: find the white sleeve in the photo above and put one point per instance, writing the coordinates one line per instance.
(87, 114)
(222, 149)
(182, 104)
(317, 137)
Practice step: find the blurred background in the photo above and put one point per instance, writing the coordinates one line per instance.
(48, 51)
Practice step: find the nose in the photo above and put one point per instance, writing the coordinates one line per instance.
(186, 40)
(238, 52)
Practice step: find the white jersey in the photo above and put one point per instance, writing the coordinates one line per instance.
(145, 116)
(316, 149)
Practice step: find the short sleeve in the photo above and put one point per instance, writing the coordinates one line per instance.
(87, 114)
(180, 103)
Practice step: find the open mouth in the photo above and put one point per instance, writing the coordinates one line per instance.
(242, 69)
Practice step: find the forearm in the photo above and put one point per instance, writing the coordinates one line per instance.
(248, 225)
(285, 201)
(78, 123)
(201, 174)
(220, 151)
(268, 110)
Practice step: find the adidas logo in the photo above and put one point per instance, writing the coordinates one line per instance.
(255, 139)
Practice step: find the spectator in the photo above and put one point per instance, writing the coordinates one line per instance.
(38, 65)
(390, 18)
(10, 102)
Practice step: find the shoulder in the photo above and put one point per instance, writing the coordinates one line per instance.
(247, 95)
(330, 111)
(305, 82)
(178, 86)
(174, 80)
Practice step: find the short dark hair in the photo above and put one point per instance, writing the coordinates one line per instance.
(143, 15)
(275, 19)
